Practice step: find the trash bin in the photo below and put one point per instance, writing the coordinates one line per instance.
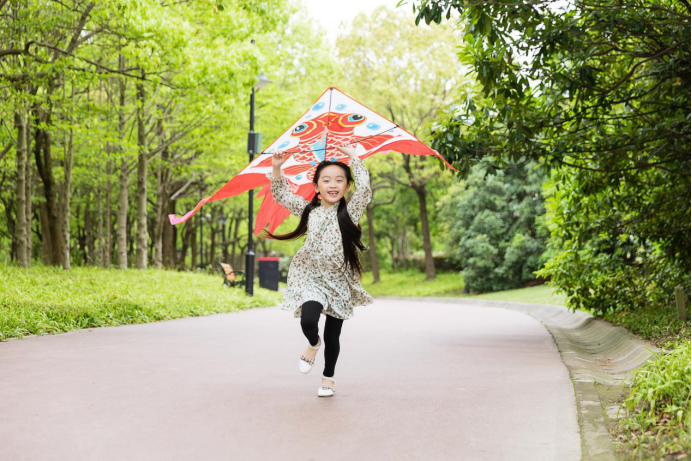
(269, 273)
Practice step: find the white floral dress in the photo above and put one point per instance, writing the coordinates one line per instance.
(314, 273)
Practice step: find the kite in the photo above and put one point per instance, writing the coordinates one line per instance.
(332, 120)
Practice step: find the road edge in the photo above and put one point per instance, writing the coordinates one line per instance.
(594, 352)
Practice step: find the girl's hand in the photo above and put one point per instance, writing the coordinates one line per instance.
(278, 159)
(348, 149)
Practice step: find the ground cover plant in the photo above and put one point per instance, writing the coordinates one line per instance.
(48, 300)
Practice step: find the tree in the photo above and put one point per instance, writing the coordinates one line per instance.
(495, 227)
(599, 93)
(389, 57)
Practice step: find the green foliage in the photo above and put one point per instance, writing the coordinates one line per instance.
(658, 405)
(48, 300)
(495, 230)
(599, 93)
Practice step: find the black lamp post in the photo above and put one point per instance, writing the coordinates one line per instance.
(254, 146)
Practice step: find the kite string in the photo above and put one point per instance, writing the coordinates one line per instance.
(315, 150)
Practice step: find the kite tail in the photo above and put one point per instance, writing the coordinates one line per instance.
(235, 186)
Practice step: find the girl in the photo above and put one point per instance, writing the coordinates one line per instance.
(324, 275)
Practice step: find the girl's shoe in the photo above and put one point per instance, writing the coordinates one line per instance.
(326, 391)
(305, 363)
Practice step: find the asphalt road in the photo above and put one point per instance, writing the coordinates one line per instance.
(414, 380)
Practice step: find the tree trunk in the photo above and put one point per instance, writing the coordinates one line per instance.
(121, 216)
(142, 164)
(193, 243)
(168, 237)
(29, 207)
(46, 243)
(108, 235)
(124, 178)
(29, 191)
(224, 241)
(91, 257)
(186, 245)
(371, 242)
(235, 239)
(212, 245)
(11, 227)
(66, 195)
(162, 200)
(425, 230)
(44, 164)
(418, 185)
(99, 227)
(23, 233)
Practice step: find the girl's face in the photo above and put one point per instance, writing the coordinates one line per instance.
(331, 184)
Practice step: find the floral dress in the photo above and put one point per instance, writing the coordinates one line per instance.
(316, 272)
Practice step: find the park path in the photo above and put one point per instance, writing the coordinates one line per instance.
(415, 380)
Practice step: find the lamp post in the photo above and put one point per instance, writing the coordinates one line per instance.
(254, 146)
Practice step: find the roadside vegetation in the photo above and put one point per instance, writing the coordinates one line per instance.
(49, 300)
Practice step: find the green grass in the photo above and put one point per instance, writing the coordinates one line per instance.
(413, 283)
(657, 421)
(48, 300)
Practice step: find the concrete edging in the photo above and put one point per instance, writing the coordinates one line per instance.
(594, 351)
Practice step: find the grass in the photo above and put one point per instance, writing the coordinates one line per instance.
(413, 283)
(657, 421)
(48, 300)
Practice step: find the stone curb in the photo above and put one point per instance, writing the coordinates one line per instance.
(594, 351)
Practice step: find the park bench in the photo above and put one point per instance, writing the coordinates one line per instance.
(229, 275)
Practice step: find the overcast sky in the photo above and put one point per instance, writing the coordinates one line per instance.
(330, 13)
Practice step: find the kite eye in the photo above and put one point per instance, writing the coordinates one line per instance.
(300, 128)
(355, 118)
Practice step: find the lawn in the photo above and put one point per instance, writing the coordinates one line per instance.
(47, 300)
(413, 283)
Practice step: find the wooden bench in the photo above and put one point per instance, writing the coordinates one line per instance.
(229, 275)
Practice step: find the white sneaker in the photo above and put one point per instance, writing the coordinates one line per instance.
(326, 391)
(305, 363)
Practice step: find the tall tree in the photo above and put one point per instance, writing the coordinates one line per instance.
(391, 57)
(599, 93)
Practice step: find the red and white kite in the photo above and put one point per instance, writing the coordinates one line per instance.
(332, 120)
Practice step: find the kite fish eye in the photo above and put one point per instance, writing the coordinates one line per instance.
(300, 128)
(351, 120)
(304, 129)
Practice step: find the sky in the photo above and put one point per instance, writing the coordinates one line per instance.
(330, 13)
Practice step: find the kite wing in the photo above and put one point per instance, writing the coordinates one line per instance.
(332, 120)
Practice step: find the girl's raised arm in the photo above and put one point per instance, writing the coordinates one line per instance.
(363, 194)
(281, 188)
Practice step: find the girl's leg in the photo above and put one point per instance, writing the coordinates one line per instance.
(332, 331)
(309, 318)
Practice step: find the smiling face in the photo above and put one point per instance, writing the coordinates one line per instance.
(331, 184)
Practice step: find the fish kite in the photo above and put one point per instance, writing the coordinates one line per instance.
(332, 120)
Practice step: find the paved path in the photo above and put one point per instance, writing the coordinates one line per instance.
(415, 380)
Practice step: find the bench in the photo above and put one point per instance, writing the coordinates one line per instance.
(229, 275)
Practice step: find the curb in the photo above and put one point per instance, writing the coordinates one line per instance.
(595, 353)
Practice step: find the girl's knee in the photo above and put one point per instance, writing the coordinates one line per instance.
(308, 322)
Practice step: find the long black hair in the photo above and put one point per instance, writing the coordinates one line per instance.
(350, 232)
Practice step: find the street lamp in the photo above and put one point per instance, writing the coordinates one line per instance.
(254, 146)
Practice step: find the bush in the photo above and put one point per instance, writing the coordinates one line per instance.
(496, 231)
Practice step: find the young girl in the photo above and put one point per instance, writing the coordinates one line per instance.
(324, 275)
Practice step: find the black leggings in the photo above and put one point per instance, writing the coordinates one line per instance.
(309, 316)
